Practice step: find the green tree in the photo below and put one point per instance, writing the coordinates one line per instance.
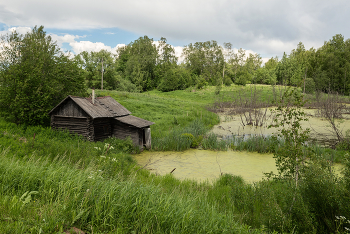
(140, 59)
(333, 60)
(242, 68)
(252, 64)
(205, 59)
(35, 76)
(267, 74)
(291, 157)
(228, 54)
(284, 70)
(94, 63)
(237, 62)
(166, 61)
(176, 78)
(271, 64)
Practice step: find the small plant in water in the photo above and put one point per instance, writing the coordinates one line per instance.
(291, 157)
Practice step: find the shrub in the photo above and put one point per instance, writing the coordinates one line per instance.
(310, 86)
(201, 82)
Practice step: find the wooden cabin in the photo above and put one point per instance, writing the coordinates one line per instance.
(99, 118)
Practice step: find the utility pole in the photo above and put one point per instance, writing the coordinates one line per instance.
(102, 76)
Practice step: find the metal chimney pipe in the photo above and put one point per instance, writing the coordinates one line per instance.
(93, 95)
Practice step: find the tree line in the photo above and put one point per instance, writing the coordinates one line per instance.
(35, 74)
(146, 65)
(141, 66)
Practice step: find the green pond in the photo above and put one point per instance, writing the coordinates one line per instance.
(202, 165)
(206, 165)
(320, 129)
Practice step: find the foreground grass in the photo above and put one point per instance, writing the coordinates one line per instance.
(54, 181)
(55, 196)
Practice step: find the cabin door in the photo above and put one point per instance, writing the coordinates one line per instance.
(147, 137)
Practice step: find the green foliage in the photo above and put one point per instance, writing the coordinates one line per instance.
(93, 63)
(242, 68)
(243, 78)
(126, 85)
(195, 141)
(181, 138)
(325, 196)
(227, 81)
(265, 76)
(292, 156)
(176, 78)
(204, 59)
(310, 86)
(328, 66)
(212, 142)
(201, 82)
(34, 77)
(137, 63)
(334, 65)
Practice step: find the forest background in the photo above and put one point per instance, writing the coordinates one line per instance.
(142, 66)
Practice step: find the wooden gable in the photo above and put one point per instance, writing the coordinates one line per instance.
(69, 109)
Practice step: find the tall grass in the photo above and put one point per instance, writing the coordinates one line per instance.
(181, 138)
(60, 196)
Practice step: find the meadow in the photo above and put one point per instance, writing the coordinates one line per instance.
(52, 181)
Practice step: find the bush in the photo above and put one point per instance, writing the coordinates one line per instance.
(126, 85)
(201, 82)
(310, 86)
(325, 196)
(227, 81)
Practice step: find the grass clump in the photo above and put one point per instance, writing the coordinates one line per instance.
(181, 138)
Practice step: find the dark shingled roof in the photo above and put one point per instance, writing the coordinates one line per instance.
(103, 107)
(134, 121)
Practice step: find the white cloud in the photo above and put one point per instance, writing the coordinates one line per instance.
(67, 38)
(89, 46)
(80, 46)
(178, 53)
(20, 30)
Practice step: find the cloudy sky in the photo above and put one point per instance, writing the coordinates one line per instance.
(267, 27)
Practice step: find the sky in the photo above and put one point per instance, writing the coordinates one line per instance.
(266, 27)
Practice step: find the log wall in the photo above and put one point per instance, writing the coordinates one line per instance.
(78, 125)
(123, 131)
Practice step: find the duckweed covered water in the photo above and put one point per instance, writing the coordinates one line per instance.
(207, 165)
(320, 129)
(202, 165)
